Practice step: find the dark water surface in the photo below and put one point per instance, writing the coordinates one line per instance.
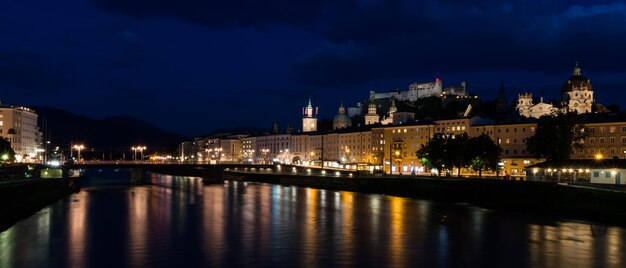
(180, 222)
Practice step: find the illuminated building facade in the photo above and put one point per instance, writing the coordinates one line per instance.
(18, 125)
(309, 118)
(605, 140)
(576, 96)
(400, 144)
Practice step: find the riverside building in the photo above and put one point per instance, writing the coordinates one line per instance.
(18, 125)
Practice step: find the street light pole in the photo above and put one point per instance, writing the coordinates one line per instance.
(142, 149)
(134, 153)
(78, 148)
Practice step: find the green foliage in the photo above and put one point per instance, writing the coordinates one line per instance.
(484, 153)
(435, 152)
(557, 136)
(5, 149)
(459, 151)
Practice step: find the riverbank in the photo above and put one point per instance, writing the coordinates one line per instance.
(21, 200)
(531, 197)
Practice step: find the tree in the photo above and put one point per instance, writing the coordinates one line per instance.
(457, 149)
(484, 153)
(557, 136)
(445, 151)
(5, 149)
(434, 152)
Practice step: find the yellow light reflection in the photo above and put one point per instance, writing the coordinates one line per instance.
(138, 226)
(397, 230)
(77, 221)
(311, 228)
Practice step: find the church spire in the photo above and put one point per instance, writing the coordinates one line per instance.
(501, 102)
(576, 69)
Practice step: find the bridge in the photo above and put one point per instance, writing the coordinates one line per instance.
(210, 172)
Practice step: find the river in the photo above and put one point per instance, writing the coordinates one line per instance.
(179, 221)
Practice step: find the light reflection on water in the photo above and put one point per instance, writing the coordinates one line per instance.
(177, 221)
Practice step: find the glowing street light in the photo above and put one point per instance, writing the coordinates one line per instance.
(78, 148)
(140, 149)
(265, 151)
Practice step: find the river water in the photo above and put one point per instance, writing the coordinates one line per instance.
(180, 222)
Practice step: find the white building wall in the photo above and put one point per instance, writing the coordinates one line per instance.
(608, 176)
(23, 121)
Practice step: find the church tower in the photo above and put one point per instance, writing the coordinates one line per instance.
(577, 93)
(371, 117)
(501, 102)
(309, 119)
(524, 103)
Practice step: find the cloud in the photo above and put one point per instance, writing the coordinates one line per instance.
(225, 14)
(578, 11)
(370, 39)
(29, 71)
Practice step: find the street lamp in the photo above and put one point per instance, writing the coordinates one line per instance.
(398, 159)
(140, 149)
(134, 153)
(78, 148)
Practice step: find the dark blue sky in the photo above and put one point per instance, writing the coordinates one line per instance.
(191, 66)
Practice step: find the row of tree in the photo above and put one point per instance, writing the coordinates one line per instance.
(556, 138)
(460, 151)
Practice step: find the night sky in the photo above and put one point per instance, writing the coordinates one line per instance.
(192, 66)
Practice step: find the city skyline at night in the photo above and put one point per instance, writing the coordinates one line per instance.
(181, 65)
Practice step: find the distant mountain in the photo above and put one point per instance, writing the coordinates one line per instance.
(124, 132)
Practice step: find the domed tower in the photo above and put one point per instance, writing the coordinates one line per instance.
(371, 117)
(577, 93)
(393, 107)
(309, 119)
(341, 120)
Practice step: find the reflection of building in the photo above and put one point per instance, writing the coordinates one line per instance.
(576, 94)
(18, 125)
(309, 118)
